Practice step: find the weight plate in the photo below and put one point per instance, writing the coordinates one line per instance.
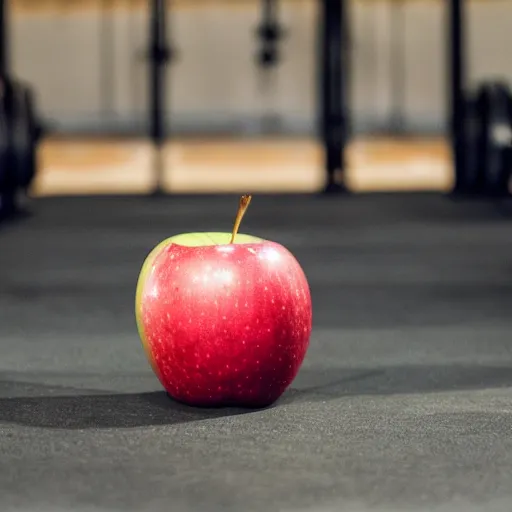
(494, 106)
(473, 176)
(5, 168)
(23, 137)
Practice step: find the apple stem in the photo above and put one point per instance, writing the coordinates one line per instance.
(242, 208)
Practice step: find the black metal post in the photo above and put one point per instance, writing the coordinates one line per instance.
(107, 58)
(270, 33)
(4, 44)
(8, 197)
(159, 56)
(456, 88)
(333, 115)
(397, 67)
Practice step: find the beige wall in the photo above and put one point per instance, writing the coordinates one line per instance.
(215, 80)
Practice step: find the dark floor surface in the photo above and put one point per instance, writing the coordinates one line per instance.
(404, 401)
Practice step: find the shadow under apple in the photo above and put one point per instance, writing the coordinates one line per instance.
(71, 408)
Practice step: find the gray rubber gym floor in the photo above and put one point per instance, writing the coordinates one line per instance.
(404, 401)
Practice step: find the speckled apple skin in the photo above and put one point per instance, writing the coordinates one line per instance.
(224, 324)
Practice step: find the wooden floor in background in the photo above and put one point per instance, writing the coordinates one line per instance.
(103, 166)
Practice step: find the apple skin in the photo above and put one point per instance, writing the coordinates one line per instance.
(223, 324)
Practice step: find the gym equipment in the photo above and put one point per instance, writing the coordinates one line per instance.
(465, 123)
(160, 54)
(6, 177)
(107, 58)
(472, 180)
(24, 136)
(333, 60)
(20, 131)
(487, 138)
(493, 104)
(397, 66)
(480, 124)
(270, 32)
(334, 64)
(457, 100)
(19, 137)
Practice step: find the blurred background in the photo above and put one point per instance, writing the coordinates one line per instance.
(404, 399)
(231, 124)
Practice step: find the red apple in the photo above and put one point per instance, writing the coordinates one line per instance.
(223, 322)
